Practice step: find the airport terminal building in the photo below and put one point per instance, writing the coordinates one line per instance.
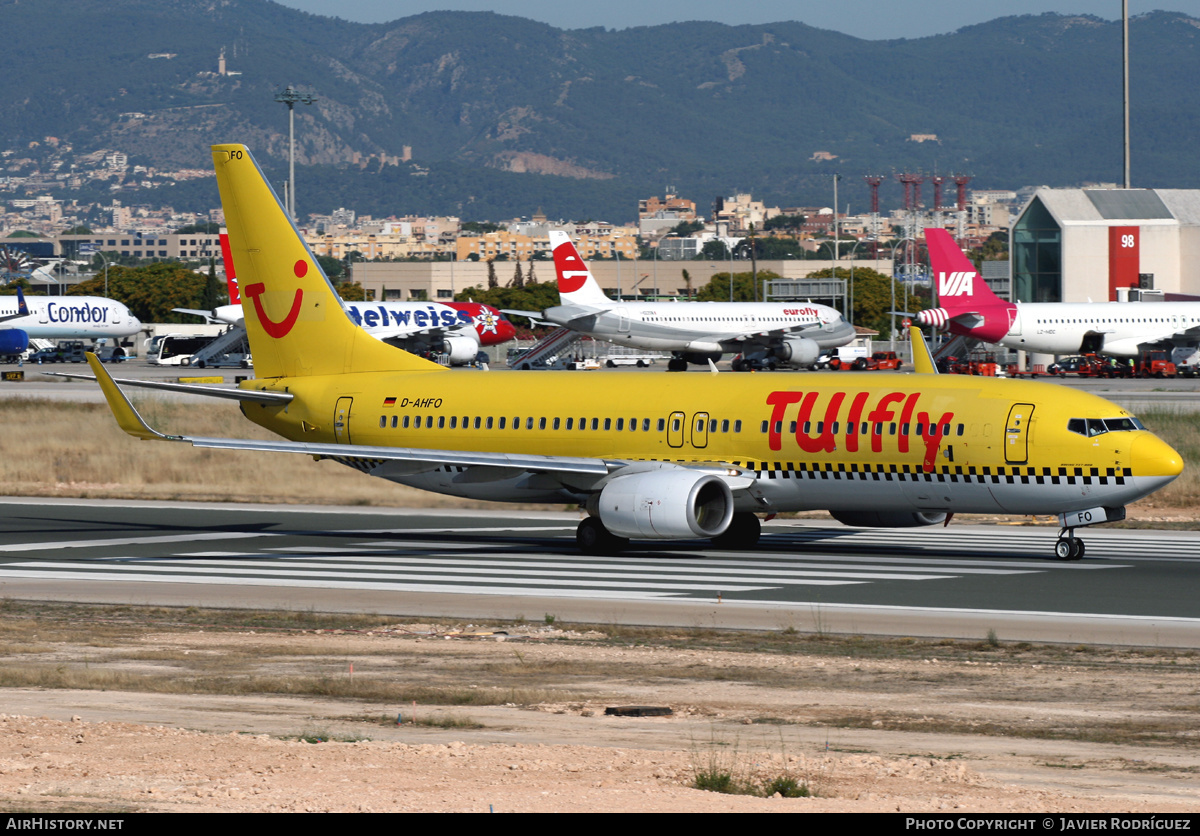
(1079, 245)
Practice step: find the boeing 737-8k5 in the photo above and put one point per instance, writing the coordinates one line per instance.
(789, 333)
(1121, 329)
(61, 318)
(689, 457)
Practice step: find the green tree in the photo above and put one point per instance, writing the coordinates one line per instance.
(198, 229)
(333, 268)
(717, 289)
(214, 293)
(685, 228)
(351, 292)
(150, 292)
(873, 297)
(532, 297)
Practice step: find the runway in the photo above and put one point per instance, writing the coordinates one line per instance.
(1134, 587)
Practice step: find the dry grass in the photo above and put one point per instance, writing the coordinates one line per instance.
(76, 449)
(1181, 431)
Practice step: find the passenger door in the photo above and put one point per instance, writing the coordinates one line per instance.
(1016, 434)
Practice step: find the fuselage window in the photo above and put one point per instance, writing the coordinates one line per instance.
(478, 420)
(529, 423)
(645, 425)
(595, 424)
(516, 423)
(737, 426)
(454, 422)
(382, 422)
(725, 426)
(662, 424)
(607, 424)
(441, 422)
(429, 422)
(406, 422)
(764, 427)
(570, 423)
(620, 425)
(961, 429)
(674, 425)
(502, 421)
(541, 423)
(489, 422)
(395, 419)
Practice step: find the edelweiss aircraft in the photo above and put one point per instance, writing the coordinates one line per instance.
(1122, 329)
(789, 333)
(61, 318)
(690, 457)
(456, 329)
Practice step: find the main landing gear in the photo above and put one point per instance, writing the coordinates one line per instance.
(593, 538)
(1068, 547)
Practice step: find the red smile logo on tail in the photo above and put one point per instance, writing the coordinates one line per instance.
(273, 328)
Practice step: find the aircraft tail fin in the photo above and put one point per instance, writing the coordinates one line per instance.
(22, 308)
(295, 322)
(235, 298)
(960, 290)
(576, 284)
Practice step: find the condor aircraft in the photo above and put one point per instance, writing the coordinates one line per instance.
(689, 457)
(61, 318)
(1122, 329)
(790, 333)
(456, 329)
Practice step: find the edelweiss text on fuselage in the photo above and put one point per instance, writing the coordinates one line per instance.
(431, 318)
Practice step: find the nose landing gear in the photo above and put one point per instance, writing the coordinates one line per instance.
(1069, 547)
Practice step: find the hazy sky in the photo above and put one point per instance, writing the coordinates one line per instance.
(872, 19)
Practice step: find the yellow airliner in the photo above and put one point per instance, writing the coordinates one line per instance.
(689, 456)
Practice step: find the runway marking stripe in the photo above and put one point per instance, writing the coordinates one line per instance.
(190, 537)
(470, 567)
(327, 583)
(107, 569)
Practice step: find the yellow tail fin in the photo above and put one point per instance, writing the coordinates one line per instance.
(295, 321)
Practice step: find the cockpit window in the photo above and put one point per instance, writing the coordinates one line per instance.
(1098, 426)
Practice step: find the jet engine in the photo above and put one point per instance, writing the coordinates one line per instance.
(461, 350)
(887, 519)
(13, 341)
(799, 351)
(665, 505)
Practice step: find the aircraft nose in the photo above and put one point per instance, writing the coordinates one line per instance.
(1151, 456)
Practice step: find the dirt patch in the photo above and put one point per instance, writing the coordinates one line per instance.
(119, 709)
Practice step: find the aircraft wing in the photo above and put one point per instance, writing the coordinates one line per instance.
(576, 472)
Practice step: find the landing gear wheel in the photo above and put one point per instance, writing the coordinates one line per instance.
(743, 532)
(593, 538)
(738, 366)
(1069, 548)
(677, 364)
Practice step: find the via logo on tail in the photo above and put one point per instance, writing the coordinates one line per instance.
(967, 306)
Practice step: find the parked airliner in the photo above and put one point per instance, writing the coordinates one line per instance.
(1122, 329)
(771, 333)
(61, 318)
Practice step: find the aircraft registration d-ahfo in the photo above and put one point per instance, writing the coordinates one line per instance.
(689, 457)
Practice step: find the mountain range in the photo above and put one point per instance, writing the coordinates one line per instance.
(505, 115)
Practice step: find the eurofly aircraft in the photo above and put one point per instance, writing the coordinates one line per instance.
(1122, 329)
(790, 333)
(456, 329)
(61, 318)
(687, 458)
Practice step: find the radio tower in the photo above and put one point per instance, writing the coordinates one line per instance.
(961, 180)
(873, 180)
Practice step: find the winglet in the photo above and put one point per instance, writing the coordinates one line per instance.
(922, 359)
(127, 417)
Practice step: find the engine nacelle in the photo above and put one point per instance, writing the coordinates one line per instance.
(13, 341)
(665, 505)
(461, 350)
(800, 351)
(887, 519)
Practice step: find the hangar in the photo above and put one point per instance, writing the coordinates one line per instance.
(1080, 245)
